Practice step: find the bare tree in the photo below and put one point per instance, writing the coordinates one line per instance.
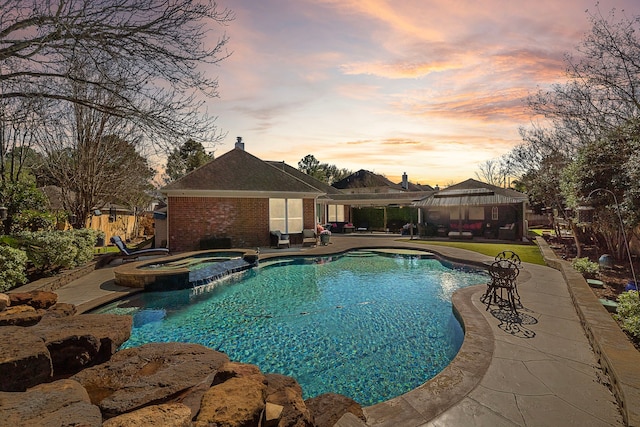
(603, 87)
(90, 154)
(494, 172)
(150, 55)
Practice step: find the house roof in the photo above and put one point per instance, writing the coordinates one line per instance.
(472, 193)
(235, 171)
(365, 179)
(316, 183)
(418, 187)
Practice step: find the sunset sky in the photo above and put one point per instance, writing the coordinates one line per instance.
(432, 88)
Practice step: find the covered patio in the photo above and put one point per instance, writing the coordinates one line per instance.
(473, 209)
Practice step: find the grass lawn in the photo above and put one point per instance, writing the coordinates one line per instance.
(527, 253)
(539, 231)
(105, 250)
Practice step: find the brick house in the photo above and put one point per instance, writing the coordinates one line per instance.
(238, 199)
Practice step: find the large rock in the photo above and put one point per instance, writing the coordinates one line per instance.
(272, 414)
(77, 342)
(237, 402)
(24, 360)
(5, 301)
(60, 403)
(20, 315)
(35, 299)
(236, 370)
(61, 309)
(328, 408)
(151, 374)
(192, 398)
(166, 415)
(286, 392)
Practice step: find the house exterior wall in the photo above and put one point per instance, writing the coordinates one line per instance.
(308, 207)
(243, 220)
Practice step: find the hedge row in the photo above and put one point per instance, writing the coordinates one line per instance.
(44, 251)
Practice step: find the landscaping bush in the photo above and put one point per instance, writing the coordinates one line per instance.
(13, 264)
(50, 250)
(585, 267)
(85, 240)
(33, 220)
(628, 312)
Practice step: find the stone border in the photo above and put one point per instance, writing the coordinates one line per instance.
(620, 360)
(52, 283)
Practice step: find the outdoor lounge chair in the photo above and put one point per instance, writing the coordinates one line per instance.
(309, 237)
(279, 240)
(128, 253)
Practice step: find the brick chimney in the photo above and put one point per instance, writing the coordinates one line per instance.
(405, 181)
(239, 143)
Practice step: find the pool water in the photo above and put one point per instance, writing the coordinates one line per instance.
(365, 324)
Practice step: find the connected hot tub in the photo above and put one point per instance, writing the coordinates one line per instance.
(184, 271)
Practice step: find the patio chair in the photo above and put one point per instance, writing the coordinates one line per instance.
(128, 253)
(508, 232)
(515, 258)
(362, 227)
(309, 237)
(503, 274)
(279, 240)
(509, 255)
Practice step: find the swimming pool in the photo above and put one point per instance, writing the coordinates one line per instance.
(366, 324)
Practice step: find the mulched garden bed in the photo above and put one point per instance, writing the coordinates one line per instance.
(614, 279)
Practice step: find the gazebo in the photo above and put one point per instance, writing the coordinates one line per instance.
(473, 208)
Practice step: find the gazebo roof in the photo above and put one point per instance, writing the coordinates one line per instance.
(472, 193)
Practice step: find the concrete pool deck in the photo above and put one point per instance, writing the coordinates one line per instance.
(538, 369)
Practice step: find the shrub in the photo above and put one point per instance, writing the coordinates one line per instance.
(628, 312)
(13, 264)
(85, 240)
(32, 220)
(585, 266)
(50, 250)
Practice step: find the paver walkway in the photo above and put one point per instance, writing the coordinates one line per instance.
(538, 369)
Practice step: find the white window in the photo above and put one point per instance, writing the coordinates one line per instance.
(336, 213)
(494, 213)
(295, 221)
(286, 215)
